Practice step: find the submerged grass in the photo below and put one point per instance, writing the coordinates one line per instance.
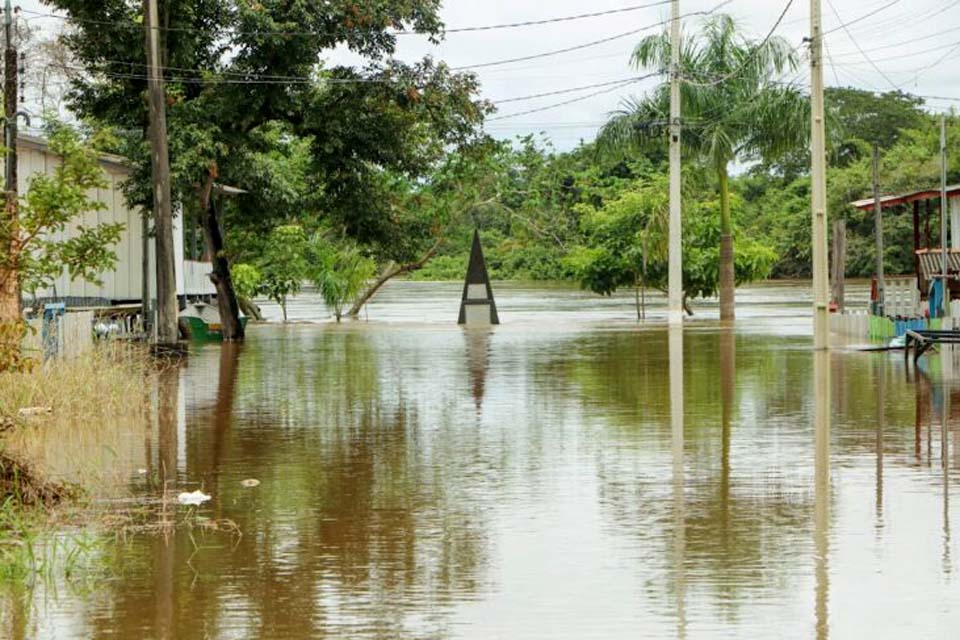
(55, 419)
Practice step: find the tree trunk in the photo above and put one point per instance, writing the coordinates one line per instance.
(727, 278)
(220, 275)
(392, 271)
(10, 283)
(249, 308)
(283, 306)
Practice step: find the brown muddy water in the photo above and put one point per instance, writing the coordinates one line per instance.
(422, 481)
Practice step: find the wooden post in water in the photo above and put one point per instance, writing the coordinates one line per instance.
(839, 261)
(477, 307)
(945, 283)
(878, 233)
(167, 331)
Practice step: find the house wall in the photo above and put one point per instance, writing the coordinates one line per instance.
(125, 282)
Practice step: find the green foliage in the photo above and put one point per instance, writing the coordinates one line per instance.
(340, 273)
(284, 264)
(443, 268)
(247, 280)
(51, 204)
(626, 244)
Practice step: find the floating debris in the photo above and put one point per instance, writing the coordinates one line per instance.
(142, 471)
(250, 483)
(29, 412)
(194, 498)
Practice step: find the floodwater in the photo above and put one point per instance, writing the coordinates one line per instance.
(559, 476)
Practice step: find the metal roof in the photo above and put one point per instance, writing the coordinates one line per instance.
(41, 144)
(904, 198)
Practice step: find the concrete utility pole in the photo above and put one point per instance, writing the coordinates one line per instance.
(162, 211)
(10, 280)
(818, 174)
(878, 231)
(943, 216)
(675, 272)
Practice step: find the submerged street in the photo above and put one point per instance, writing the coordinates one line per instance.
(420, 480)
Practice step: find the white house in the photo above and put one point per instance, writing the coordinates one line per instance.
(125, 283)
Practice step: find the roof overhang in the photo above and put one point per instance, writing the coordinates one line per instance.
(886, 202)
(116, 162)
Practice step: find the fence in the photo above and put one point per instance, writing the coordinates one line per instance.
(60, 334)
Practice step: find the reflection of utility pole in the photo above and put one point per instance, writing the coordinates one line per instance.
(675, 338)
(162, 211)
(818, 175)
(878, 232)
(821, 492)
(675, 271)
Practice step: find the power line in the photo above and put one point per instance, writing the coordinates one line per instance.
(571, 101)
(623, 81)
(585, 45)
(240, 77)
(903, 42)
(869, 14)
(753, 53)
(860, 49)
(468, 29)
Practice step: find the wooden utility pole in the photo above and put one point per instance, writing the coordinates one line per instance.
(675, 270)
(878, 232)
(818, 175)
(944, 212)
(162, 211)
(839, 269)
(9, 273)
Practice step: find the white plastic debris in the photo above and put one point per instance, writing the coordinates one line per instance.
(141, 471)
(194, 498)
(28, 412)
(250, 483)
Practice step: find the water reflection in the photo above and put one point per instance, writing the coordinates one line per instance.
(675, 339)
(478, 360)
(562, 481)
(822, 497)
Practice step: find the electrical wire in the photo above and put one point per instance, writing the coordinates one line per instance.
(623, 81)
(571, 101)
(585, 45)
(860, 49)
(749, 59)
(468, 29)
(869, 14)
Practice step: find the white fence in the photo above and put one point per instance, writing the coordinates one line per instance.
(902, 298)
(854, 324)
(66, 336)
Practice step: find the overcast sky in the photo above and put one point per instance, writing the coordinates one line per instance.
(904, 40)
(923, 32)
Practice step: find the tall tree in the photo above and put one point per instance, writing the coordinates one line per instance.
(233, 67)
(734, 108)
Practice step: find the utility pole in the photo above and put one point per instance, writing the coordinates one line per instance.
(162, 211)
(675, 271)
(10, 278)
(818, 174)
(878, 232)
(943, 217)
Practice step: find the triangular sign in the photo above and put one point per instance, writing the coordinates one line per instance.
(477, 306)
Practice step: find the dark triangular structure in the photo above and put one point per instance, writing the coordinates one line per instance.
(477, 306)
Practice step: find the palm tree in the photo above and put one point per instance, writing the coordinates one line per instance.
(734, 108)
